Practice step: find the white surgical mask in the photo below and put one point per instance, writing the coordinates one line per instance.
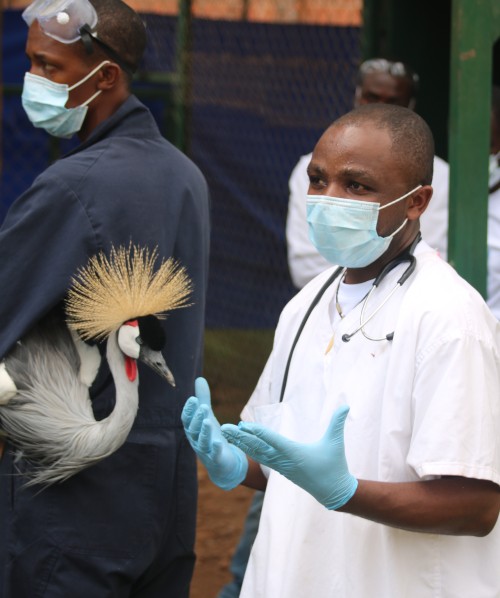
(45, 104)
(344, 230)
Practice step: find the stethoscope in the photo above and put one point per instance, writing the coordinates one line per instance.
(405, 256)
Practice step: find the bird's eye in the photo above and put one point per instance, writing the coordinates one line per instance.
(139, 340)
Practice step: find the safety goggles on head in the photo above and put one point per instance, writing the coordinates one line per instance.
(67, 21)
(61, 19)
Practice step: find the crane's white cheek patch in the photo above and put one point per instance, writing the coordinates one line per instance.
(127, 340)
(8, 389)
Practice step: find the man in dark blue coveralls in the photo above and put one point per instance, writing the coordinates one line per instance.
(124, 527)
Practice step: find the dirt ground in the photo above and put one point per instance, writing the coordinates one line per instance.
(220, 522)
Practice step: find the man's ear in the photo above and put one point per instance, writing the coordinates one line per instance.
(109, 76)
(418, 202)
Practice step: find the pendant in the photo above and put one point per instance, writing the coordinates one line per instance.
(330, 344)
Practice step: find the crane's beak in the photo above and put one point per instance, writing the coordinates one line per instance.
(156, 361)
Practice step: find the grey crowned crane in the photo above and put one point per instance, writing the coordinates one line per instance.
(45, 407)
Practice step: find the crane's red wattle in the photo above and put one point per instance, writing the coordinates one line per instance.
(131, 368)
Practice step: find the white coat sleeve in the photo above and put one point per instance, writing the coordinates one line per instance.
(456, 411)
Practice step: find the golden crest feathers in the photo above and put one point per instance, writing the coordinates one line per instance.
(109, 291)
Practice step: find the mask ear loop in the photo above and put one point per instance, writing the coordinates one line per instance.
(400, 228)
(400, 198)
(86, 78)
(91, 74)
(86, 103)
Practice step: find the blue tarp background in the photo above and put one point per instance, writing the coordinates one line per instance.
(261, 96)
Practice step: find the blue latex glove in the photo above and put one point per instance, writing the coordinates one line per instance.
(320, 468)
(226, 464)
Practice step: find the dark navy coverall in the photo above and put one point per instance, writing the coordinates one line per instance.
(124, 527)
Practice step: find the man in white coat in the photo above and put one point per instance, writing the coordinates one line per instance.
(374, 425)
(379, 81)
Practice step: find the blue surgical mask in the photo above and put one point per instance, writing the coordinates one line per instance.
(45, 104)
(344, 230)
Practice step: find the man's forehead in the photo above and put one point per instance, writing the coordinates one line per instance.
(356, 133)
(356, 147)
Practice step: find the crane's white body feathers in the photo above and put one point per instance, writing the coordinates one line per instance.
(51, 417)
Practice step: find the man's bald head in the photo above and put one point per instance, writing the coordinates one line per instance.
(412, 141)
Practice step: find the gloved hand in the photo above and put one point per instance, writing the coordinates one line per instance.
(320, 468)
(226, 464)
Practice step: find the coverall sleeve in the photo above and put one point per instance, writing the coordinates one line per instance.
(44, 239)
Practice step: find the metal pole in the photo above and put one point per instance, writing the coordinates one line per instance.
(182, 91)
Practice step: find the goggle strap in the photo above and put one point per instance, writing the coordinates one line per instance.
(88, 37)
